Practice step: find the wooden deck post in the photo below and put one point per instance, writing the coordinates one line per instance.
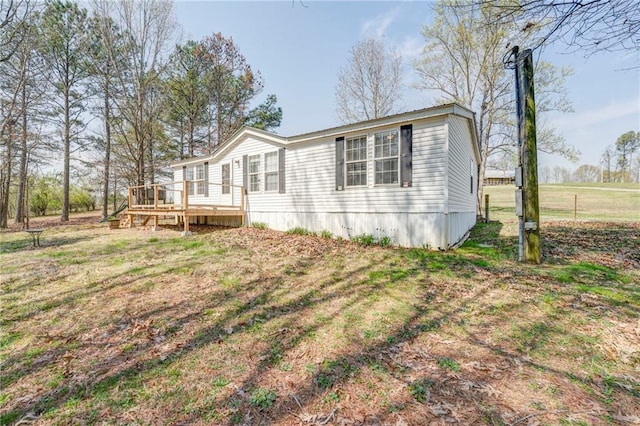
(185, 195)
(130, 203)
(185, 206)
(155, 196)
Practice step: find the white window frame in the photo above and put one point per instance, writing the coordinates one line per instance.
(356, 161)
(254, 176)
(226, 182)
(382, 157)
(189, 177)
(270, 172)
(200, 178)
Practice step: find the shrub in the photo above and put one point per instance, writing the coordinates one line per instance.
(420, 390)
(326, 234)
(364, 239)
(299, 231)
(263, 398)
(448, 364)
(259, 225)
(384, 241)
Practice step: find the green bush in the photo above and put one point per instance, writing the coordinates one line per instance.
(46, 196)
(259, 225)
(448, 364)
(300, 231)
(364, 239)
(263, 398)
(81, 200)
(384, 241)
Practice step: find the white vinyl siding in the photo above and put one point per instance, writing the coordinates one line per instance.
(356, 161)
(462, 167)
(413, 216)
(271, 171)
(386, 149)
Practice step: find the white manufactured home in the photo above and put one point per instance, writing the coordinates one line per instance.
(411, 177)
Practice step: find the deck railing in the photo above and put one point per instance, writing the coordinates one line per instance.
(186, 194)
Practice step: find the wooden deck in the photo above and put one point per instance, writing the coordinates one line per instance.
(172, 199)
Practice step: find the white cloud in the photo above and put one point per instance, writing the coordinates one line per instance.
(411, 47)
(378, 25)
(605, 114)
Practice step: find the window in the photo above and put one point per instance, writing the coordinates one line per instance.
(189, 177)
(200, 178)
(226, 178)
(254, 173)
(386, 157)
(271, 171)
(356, 161)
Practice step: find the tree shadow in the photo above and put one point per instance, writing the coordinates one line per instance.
(430, 384)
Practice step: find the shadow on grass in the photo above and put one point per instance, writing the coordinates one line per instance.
(257, 299)
(26, 243)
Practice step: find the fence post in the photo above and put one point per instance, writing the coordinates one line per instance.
(486, 208)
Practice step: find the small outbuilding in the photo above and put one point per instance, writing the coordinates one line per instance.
(411, 177)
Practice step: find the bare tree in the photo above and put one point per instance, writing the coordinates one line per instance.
(29, 72)
(586, 26)
(369, 85)
(65, 47)
(232, 84)
(586, 173)
(626, 145)
(149, 26)
(605, 161)
(106, 48)
(463, 62)
(12, 14)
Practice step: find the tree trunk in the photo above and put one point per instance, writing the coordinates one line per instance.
(191, 132)
(5, 181)
(22, 172)
(64, 217)
(107, 152)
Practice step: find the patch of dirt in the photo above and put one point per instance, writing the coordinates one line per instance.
(48, 222)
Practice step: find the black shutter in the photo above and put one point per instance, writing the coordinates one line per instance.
(406, 162)
(206, 179)
(281, 177)
(245, 173)
(340, 163)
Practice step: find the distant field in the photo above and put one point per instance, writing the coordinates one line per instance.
(595, 201)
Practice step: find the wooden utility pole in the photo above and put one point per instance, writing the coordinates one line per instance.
(528, 156)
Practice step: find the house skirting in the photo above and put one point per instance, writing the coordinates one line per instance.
(432, 230)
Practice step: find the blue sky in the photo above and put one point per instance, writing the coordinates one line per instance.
(299, 47)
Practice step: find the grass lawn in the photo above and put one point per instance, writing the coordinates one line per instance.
(595, 201)
(258, 327)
